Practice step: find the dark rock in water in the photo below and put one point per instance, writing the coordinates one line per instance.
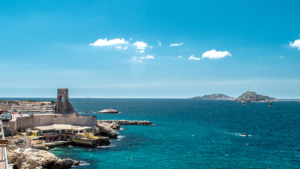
(76, 163)
(89, 112)
(126, 122)
(108, 111)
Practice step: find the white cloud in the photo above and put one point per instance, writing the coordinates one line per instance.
(150, 47)
(159, 43)
(140, 45)
(295, 44)
(213, 54)
(104, 42)
(179, 56)
(176, 44)
(142, 51)
(130, 39)
(126, 47)
(119, 47)
(147, 57)
(281, 57)
(193, 58)
(135, 59)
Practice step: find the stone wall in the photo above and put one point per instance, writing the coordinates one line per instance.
(29, 122)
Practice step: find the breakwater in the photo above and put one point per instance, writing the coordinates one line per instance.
(127, 122)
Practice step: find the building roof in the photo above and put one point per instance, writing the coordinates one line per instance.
(62, 127)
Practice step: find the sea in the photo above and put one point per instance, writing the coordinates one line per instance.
(193, 134)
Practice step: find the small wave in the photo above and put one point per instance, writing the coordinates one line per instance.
(83, 163)
(121, 136)
(122, 128)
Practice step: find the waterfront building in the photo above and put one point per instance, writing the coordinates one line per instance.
(57, 131)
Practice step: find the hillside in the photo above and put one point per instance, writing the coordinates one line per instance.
(213, 97)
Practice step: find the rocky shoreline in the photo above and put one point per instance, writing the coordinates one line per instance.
(38, 159)
(22, 155)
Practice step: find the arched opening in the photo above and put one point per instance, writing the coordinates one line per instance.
(60, 103)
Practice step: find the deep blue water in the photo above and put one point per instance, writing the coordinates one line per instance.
(194, 134)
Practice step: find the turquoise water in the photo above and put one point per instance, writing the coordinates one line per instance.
(194, 134)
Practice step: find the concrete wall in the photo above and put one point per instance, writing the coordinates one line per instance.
(29, 122)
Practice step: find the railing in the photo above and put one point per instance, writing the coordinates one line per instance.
(4, 148)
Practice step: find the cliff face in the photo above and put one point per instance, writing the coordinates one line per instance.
(213, 97)
(253, 97)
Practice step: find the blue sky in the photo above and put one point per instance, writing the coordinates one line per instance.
(149, 49)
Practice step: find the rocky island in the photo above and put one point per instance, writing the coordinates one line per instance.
(213, 97)
(108, 111)
(253, 97)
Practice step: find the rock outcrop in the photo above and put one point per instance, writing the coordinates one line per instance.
(15, 142)
(33, 159)
(104, 129)
(126, 122)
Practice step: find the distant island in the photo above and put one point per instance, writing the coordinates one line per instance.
(245, 97)
(213, 97)
(253, 97)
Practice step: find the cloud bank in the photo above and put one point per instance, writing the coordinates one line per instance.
(147, 57)
(105, 42)
(213, 54)
(176, 44)
(140, 45)
(193, 58)
(295, 44)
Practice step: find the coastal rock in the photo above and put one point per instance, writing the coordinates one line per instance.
(15, 142)
(33, 158)
(112, 125)
(107, 130)
(96, 131)
(76, 163)
(126, 122)
(62, 163)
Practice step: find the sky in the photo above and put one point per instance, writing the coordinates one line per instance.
(149, 48)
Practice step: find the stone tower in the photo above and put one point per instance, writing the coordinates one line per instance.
(63, 105)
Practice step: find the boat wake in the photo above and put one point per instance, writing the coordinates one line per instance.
(239, 134)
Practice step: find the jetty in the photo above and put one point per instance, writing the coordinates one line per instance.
(126, 122)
